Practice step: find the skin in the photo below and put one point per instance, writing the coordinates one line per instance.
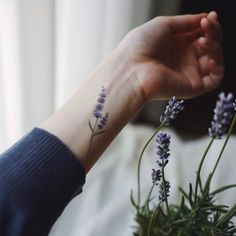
(167, 56)
(178, 55)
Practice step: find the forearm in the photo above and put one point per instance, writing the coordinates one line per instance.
(70, 123)
(40, 174)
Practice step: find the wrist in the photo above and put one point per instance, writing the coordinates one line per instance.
(123, 101)
(71, 122)
(118, 74)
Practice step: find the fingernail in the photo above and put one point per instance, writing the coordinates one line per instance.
(214, 15)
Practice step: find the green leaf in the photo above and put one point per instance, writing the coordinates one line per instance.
(183, 192)
(200, 184)
(208, 183)
(206, 191)
(149, 198)
(182, 203)
(223, 189)
(155, 212)
(181, 221)
(215, 207)
(227, 217)
(190, 194)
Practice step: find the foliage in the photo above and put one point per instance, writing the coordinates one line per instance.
(197, 213)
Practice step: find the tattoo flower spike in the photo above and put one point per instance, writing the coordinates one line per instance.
(100, 103)
(100, 119)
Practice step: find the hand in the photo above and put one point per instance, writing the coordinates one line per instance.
(178, 55)
(167, 56)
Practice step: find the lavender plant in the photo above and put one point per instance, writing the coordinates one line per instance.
(197, 213)
(172, 110)
(222, 116)
(163, 142)
(98, 126)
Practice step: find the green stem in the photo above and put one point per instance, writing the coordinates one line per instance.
(152, 219)
(223, 148)
(140, 159)
(199, 170)
(164, 185)
(226, 141)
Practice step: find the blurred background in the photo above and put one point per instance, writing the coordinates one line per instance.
(48, 47)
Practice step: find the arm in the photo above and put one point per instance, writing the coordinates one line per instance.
(167, 56)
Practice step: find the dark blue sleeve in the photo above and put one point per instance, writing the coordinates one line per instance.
(39, 176)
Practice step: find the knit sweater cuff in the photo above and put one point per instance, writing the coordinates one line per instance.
(41, 174)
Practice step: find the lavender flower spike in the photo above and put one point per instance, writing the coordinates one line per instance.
(234, 104)
(164, 191)
(163, 141)
(173, 108)
(97, 113)
(156, 176)
(223, 114)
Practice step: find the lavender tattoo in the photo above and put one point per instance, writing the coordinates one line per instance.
(100, 119)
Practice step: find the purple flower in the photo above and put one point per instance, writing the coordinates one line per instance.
(156, 176)
(223, 114)
(97, 113)
(234, 104)
(103, 122)
(163, 151)
(173, 108)
(164, 191)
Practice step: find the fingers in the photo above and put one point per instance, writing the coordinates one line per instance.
(183, 23)
(209, 66)
(192, 36)
(211, 39)
(211, 27)
(212, 15)
(204, 65)
(209, 81)
(216, 71)
(215, 76)
(212, 49)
